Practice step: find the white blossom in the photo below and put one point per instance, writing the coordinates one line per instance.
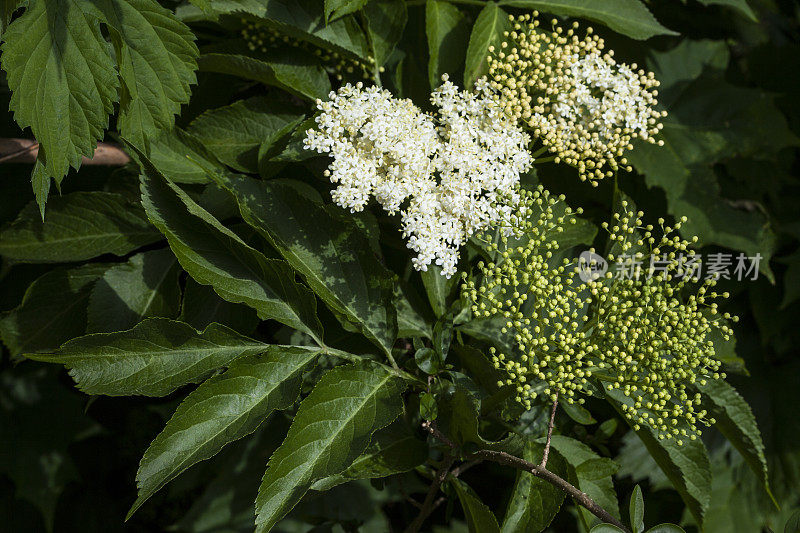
(450, 175)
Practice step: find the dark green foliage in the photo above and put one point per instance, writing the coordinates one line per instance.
(260, 359)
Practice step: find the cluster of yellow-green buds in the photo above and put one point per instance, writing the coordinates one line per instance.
(646, 335)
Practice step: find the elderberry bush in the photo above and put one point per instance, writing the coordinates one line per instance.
(399, 265)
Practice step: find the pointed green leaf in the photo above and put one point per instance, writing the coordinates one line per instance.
(153, 359)
(175, 154)
(480, 518)
(592, 473)
(145, 286)
(63, 83)
(735, 420)
(534, 502)
(79, 226)
(157, 59)
(52, 311)
(448, 34)
(236, 133)
(487, 31)
(327, 248)
(331, 430)
(290, 70)
(628, 17)
(385, 21)
(637, 510)
(223, 409)
(214, 255)
(393, 450)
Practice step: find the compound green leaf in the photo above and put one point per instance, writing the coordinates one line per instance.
(331, 430)
(214, 255)
(79, 226)
(327, 248)
(153, 359)
(145, 286)
(628, 17)
(223, 409)
(63, 84)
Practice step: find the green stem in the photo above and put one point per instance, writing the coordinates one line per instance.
(544, 160)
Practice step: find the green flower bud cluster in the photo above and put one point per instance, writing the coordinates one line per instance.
(261, 37)
(646, 336)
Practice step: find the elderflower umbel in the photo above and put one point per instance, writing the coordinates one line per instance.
(580, 103)
(645, 337)
(450, 175)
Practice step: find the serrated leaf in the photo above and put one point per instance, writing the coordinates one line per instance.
(735, 420)
(448, 34)
(687, 466)
(145, 286)
(487, 31)
(290, 70)
(214, 255)
(480, 518)
(628, 17)
(223, 409)
(328, 249)
(157, 59)
(7, 8)
(534, 502)
(335, 9)
(236, 133)
(52, 311)
(592, 473)
(153, 359)
(393, 450)
(385, 22)
(332, 428)
(79, 226)
(63, 84)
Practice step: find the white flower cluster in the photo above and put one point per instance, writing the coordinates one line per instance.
(600, 96)
(450, 176)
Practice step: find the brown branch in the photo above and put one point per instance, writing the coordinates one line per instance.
(539, 471)
(26, 151)
(430, 504)
(549, 433)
